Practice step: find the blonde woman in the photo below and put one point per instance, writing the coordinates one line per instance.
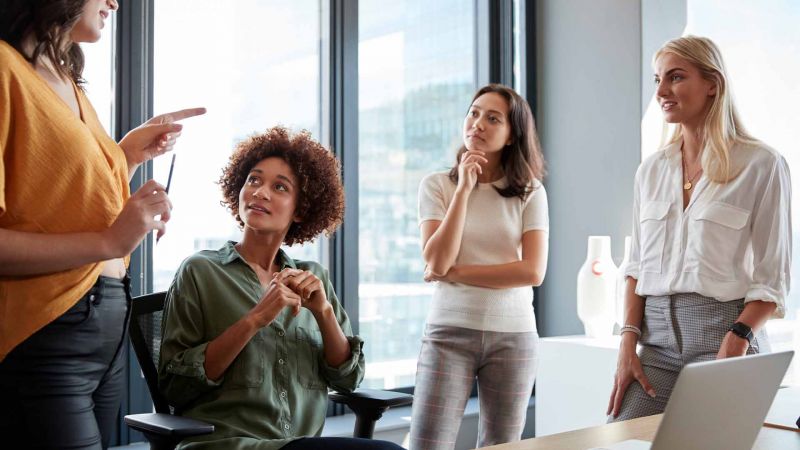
(711, 246)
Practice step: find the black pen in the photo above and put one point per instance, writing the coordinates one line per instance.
(169, 177)
(169, 181)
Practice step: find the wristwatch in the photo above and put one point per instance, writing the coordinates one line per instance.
(743, 331)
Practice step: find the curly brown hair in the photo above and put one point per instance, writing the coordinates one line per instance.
(320, 200)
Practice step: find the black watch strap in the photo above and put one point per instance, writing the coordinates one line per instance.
(742, 330)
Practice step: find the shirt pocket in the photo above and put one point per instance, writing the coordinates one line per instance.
(715, 232)
(652, 235)
(309, 351)
(247, 370)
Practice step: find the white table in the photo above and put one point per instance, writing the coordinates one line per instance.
(573, 382)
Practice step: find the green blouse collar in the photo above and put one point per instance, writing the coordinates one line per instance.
(228, 254)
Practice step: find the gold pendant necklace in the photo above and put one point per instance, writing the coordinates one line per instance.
(689, 180)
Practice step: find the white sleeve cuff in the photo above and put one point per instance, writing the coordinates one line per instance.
(632, 270)
(767, 294)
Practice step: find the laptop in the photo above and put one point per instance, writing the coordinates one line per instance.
(717, 405)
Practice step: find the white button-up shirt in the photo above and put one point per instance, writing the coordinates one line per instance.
(733, 240)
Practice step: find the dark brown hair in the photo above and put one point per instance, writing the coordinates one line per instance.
(320, 199)
(50, 22)
(522, 160)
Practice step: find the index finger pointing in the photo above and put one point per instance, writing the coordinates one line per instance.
(185, 113)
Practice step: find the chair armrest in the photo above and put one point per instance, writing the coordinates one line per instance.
(369, 405)
(371, 399)
(168, 425)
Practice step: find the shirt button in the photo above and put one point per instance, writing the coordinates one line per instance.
(91, 298)
(280, 333)
(283, 395)
(280, 361)
(286, 427)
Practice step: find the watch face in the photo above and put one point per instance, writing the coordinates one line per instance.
(742, 330)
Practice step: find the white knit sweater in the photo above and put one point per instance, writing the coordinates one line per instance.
(492, 235)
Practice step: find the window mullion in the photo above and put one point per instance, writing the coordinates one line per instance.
(133, 105)
(343, 134)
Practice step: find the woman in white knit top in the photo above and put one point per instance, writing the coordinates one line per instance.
(484, 228)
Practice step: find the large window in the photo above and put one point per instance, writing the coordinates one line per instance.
(416, 78)
(757, 40)
(261, 63)
(253, 66)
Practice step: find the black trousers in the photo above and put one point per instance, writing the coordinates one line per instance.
(338, 443)
(61, 387)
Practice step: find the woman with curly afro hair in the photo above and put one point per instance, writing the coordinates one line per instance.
(253, 339)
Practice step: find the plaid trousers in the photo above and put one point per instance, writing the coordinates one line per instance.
(450, 361)
(677, 330)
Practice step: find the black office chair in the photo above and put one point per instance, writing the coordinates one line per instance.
(164, 430)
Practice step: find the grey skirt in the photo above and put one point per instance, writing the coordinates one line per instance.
(677, 330)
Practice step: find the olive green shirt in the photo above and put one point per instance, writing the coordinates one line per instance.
(276, 390)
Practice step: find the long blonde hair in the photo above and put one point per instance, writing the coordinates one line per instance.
(722, 127)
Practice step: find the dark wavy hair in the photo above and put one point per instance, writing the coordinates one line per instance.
(522, 160)
(50, 22)
(320, 201)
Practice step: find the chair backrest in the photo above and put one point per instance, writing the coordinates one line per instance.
(145, 333)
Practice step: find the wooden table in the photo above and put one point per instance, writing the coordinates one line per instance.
(643, 428)
(784, 410)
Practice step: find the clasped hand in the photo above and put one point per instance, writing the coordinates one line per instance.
(307, 286)
(294, 289)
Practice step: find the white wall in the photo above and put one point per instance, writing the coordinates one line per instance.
(589, 110)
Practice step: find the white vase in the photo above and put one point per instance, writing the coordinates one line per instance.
(621, 283)
(597, 285)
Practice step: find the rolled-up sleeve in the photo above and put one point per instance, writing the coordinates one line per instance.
(181, 375)
(632, 269)
(772, 240)
(348, 375)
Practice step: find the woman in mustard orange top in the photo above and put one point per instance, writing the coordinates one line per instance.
(67, 225)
